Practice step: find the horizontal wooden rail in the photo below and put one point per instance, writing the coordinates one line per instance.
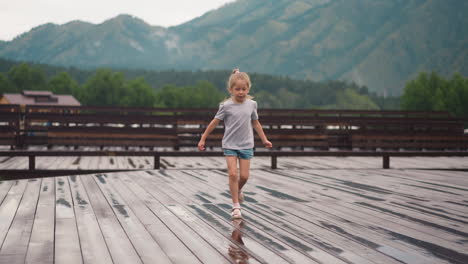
(273, 154)
(288, 128)
(288, 112)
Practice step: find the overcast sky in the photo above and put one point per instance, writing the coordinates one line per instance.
(19, 16)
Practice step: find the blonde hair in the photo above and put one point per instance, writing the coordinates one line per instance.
(236, 75)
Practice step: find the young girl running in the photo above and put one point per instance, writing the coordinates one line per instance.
(239, 114)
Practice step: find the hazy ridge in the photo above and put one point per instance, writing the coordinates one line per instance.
(377, 43)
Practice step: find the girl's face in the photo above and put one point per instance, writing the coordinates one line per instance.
(239, 91)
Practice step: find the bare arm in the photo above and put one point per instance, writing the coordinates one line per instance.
(258, 127)
(213, 124)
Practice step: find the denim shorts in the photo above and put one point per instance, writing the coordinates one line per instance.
(240, 153)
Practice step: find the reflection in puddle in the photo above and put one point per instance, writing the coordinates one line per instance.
(236, 251)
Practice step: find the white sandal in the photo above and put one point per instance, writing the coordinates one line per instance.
(236, 213)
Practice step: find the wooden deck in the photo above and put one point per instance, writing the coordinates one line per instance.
(310, 210)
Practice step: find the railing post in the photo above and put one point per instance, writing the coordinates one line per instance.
(386, 161)
(157, 162)
(274, 161)
(32, 162)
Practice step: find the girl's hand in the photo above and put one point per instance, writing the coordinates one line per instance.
(201, 145)
(267, 144)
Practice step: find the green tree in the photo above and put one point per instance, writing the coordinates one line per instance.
(267, 100)
(424, 93)
(453, 97)
(25, 77)
(138, 94)
(288, 98)
(5, 85)
(436, 93)
(352, 100)
(63, 83)
(204, 94)
(104, 88)
(169, 96)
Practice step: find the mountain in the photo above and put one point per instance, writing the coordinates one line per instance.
(377, 43)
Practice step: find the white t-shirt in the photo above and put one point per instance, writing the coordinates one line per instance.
(237, 117)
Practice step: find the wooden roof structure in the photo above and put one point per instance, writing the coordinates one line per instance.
(39, 98)
(315, 210)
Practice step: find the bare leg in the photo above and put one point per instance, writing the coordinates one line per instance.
(233, 178)
(244, 165)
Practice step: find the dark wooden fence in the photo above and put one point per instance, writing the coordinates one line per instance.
(10, 120)
(176, 128)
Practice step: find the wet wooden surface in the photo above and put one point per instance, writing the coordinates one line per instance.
(311, 210)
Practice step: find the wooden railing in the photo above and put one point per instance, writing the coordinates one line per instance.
(10, 120)
(33, 172)
(176, 128)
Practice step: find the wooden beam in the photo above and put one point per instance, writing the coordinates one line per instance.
(273, 154)
(157, 162)
(274, 162)
(32, 162)
(386, 161)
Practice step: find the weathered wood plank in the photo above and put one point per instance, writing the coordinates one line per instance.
(5, 186)
(219, 241)
(119, 162)
(348, 227)
(200, 248)
(329, 207)
(41, 245)
(67, 242)
(70, 163)
(400, 192)
(268, 220)
(453, 177)
(93, 162)
(368, 244)
(57, 162)
(146, 247)
(367, 205)
(118, 243)
(93, 246)
(85, 162)
(406, 225)
(15, 245)
(167, 240)
(302, 163)
(293, 254)
(416, 247)
(104, 163)
(17, 163)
